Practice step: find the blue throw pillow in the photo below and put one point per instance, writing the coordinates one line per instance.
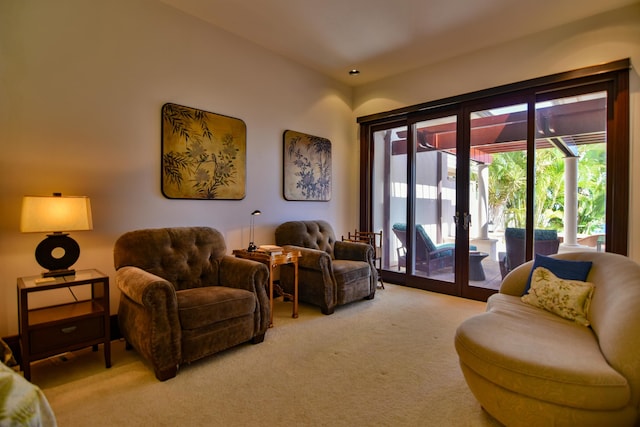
(562, 268)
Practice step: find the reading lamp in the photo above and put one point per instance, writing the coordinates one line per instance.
(56, 214)
(252, 247)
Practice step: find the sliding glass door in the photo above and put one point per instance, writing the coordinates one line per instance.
(465, 190)
(415, 199)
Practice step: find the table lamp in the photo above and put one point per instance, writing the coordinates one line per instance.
(252, 247)
(56, 214)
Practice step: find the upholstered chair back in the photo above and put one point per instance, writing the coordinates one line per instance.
(315, 234)
(187, 257)
(545, 243)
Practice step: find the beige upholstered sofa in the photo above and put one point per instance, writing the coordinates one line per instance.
(182, 298)
(530, 367)
(331, 272)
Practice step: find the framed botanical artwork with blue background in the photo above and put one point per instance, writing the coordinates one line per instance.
(203, 154)
(307, 167)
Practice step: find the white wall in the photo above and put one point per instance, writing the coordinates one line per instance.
(81, 89)
(82, 84)
(605, 38)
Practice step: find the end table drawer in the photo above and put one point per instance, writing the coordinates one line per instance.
(62, 335)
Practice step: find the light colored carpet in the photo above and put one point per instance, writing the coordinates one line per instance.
(385, 362)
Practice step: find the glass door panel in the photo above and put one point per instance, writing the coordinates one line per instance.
(570, 173)
(435, 198)
(497, 190)
(389, 188)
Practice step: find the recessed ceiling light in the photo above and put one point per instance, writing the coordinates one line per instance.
(354, 72)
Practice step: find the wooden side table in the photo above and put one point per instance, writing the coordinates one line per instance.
(272, 261)
(47, 331)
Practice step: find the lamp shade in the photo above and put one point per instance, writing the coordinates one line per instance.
(55, 213)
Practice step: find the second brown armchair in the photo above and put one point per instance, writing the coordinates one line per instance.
(330, 272)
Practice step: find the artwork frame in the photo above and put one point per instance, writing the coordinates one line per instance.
(306, 167)
(203, 154)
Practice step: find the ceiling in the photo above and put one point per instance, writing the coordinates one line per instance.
(384, 37)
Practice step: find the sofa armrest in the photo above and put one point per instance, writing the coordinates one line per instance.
(515, 282)
(354, 251)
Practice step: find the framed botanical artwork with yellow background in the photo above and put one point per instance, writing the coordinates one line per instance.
(203, 154)
(307, 167)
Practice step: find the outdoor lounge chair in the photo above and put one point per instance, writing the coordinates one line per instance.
(429, 256)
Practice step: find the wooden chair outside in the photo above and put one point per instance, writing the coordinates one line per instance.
(375, 240)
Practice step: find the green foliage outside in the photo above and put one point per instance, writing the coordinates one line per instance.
(507, 189)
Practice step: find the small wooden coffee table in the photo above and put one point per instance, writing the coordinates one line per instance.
(272, 261)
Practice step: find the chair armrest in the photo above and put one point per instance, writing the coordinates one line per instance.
(515, 282)
(252, 276)
(441, 250)
(244, 274)
(353, 251)
(148, 318)
(145, 288)
(312, 259)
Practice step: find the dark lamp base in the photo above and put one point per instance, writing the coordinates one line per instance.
(47, 254)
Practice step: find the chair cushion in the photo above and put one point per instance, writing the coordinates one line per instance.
(346, 271)
(204, 306)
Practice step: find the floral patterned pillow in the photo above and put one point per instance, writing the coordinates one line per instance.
(566, 298)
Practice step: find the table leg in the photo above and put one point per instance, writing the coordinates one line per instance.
(271, 296)
(295, 290)
(107, 353)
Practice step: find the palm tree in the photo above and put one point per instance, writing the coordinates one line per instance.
(507, 189)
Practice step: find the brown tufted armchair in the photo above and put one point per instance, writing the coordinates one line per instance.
(182, 298)
(330, 272)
